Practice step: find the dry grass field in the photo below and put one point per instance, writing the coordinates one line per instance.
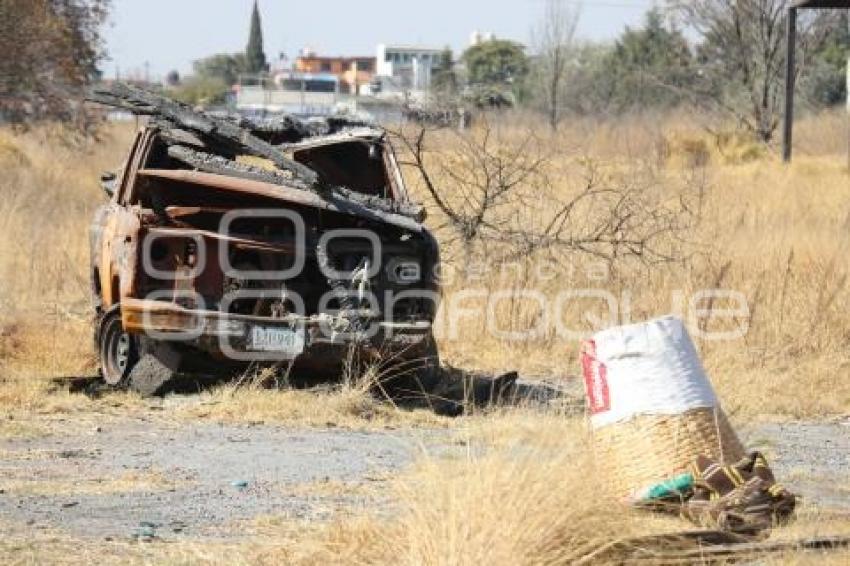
(525, 491)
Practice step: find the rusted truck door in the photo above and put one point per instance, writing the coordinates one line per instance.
(119, 241)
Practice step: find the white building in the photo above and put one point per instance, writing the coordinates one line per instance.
(408, 68)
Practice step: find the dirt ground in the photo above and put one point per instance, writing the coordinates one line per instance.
(150, 476)
(813, 459)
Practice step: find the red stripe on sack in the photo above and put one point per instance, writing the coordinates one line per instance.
(595, 379)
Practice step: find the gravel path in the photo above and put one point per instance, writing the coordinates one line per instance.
(812, 459)
(142, 477)
(149, 477)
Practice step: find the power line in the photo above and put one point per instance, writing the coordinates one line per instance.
(611, 4)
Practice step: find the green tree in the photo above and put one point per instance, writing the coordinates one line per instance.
(592, 86)
(824, 81)
(223, 66)
(255, 57)
(212, 80)
(498, 62)
(742, 55)
(200, 90)
(444, 80)
(650, 66)
(50, 50)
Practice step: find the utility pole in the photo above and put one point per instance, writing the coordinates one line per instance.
(790, 73)
(790, 70)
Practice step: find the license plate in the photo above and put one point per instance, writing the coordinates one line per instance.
(284, 340)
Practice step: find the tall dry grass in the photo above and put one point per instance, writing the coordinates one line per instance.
(521, 487)
(776, 234)
(352, 404)
(48, 192)
(49, 184)
(504, 498)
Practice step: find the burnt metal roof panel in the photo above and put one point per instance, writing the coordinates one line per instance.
(334, 203)
(363, 134)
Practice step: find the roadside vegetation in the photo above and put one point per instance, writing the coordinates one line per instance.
(520, 488)
(636, 171)
(773, 233)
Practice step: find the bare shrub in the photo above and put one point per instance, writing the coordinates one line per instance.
(504, 195)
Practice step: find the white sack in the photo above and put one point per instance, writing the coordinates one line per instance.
(647, 368)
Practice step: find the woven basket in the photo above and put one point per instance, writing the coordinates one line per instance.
(648, 449)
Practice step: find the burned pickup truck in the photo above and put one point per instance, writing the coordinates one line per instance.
(226, 243)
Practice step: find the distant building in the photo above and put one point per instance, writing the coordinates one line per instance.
(407, 68)
(281, 63)
(301, 94)
(354, 73)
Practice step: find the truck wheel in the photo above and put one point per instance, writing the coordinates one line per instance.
(135, 362)
(117, 350)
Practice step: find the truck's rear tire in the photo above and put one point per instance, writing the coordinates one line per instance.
(117, 350)
(130, 361)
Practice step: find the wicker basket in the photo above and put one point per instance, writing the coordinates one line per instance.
(648, 449)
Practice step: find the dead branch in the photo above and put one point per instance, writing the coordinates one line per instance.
(507, 199)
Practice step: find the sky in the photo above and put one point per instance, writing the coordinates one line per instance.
(160, 35)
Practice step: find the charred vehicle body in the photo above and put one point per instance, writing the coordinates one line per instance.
(226, 243)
